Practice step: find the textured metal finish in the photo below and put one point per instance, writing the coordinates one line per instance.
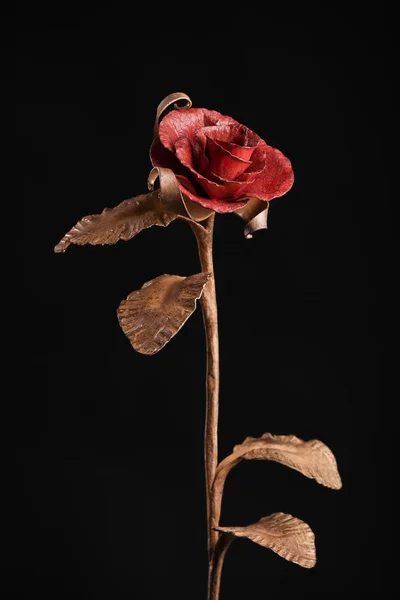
(313, 458)
(173, 198)
(204, 237)
(164, 104)
(255, 213)
(216, 564)
(287, 536)
(120, 223)
(220, 163)
(151, 316)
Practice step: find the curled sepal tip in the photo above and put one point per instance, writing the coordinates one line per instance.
(255, 213)
(122, 222)
(168, 100)
(151, 316)
(172, 197)
(288, 536)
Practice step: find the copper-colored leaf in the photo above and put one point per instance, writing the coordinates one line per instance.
(151, 316)
(313, 458)
(120, 223)
(287, 536)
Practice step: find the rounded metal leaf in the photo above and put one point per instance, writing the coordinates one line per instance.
(151, 316)
(122, 222)
(288, 536)
(313, 458)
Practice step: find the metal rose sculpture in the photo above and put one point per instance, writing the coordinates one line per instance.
(207, 163)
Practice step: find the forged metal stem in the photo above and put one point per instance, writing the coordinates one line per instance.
(204, 236)
(214, 578)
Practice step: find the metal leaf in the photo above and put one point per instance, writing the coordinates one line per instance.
(151, 316)
(289, 537)
(313, 458)
(120, 223)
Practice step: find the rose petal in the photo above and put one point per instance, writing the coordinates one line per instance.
(161, 157)
(224, 164)
(220, 206)
(188, 185)
(234, 133)
(243, 152)
(258, 162)
(275, 180)
(185, 123)
(231, 190)
(228, 189)
(235, 138)
(184, 152)
(199, 144)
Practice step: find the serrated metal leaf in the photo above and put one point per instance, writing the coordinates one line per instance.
(288, 536)
(120, 223)
(151, 316)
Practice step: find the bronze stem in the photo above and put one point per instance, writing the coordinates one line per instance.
(215, 568)
(204, 237)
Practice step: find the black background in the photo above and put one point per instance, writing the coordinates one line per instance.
(106, 497)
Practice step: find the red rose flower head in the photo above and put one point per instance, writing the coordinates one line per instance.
(218, 162)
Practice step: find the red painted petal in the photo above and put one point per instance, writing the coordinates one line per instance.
(186, 122)
(161, 157)
(184, 153)
(258, 161)
(275, 180)
(224, 164)
(187, 186)
(235, 138)
(245, 153)
(220, 206)
(225, 189)
(230, 190)
(188, 156)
